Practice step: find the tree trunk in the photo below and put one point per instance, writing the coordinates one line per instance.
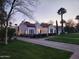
(56, 27)
(62, 23)
(6, 36)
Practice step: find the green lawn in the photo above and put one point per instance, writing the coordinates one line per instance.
(67, 38)
(22, 50)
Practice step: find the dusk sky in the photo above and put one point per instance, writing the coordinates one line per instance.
(47, 10)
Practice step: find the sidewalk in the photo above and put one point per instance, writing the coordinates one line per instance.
(63, 46)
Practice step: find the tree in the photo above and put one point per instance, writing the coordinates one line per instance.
(77, 26)
(1, 4)
(22, 6)
(61, 11)
(63, 22)
(70, 26)
(15, 24)
(2, 18)
(2, 13)
(77, 17)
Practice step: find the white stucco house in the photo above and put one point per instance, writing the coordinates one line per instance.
(36, 28)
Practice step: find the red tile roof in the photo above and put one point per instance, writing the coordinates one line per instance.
(45, 24)
(28, 24)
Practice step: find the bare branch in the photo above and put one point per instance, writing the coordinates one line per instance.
(27, 13)
(24, 6)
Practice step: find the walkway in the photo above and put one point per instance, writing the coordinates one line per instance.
(63, 46)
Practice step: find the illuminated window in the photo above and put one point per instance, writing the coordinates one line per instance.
(31, 31)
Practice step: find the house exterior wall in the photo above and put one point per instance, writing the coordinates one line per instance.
(26, 30)
(23, 29)
(43, 30)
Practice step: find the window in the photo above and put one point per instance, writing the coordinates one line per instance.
(51, 30)
(31, 31)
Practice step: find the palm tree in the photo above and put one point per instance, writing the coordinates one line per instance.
(77, 17)
(63, 21)
(61, 11)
